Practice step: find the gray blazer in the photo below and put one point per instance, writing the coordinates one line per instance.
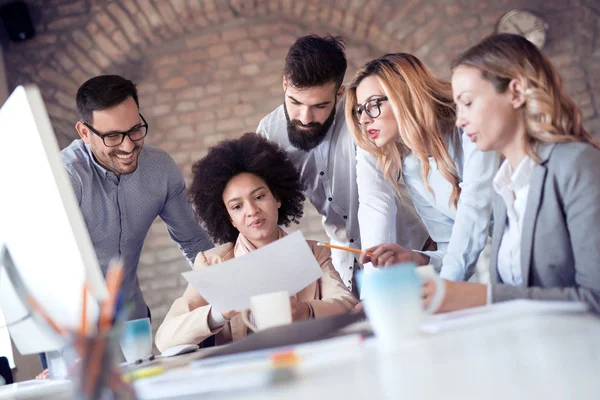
(560, 241)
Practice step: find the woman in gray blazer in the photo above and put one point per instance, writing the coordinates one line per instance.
(546, 237)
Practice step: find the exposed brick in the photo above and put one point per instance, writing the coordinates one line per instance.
(125, 22)
(214, 88)
(72, 8)
(105, 21)
(459, 40)
(229, 61)
(230, 124)
(65, 61)
(588, 112)
(218, 50)
(183, 132)
(223, 74)
(471, 23)
(203, 41)
(232, 35)
(140, 21)
(255, 56)
(184, 106)
(99, 58)
(108, 47)
(151, 13)
(183, 14)
(197, 69)
(243, 110)
(169, 59)
(168, 16)
(145, 88)
(563, 60)
(264, 44)
(175, 83)
(452, 10)
(573, 72)
(82, 40)
(162, 110)
(197, 116)
(191, 93)
(65, 100)
(50, 76)
(167, 122)
(250, 70)
(63, 23)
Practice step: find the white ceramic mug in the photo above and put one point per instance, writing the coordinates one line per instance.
(269, 310)
(426, 272)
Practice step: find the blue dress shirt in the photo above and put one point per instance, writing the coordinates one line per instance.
(119, 212)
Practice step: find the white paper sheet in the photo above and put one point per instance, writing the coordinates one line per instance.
(286, 264)
(497, 311)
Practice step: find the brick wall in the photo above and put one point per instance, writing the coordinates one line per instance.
(209, 70)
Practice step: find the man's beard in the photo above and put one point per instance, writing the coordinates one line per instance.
(313, 134)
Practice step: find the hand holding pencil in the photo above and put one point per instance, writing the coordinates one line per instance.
(387, 254)
(333, 246)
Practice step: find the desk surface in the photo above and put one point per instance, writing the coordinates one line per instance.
(532, 356)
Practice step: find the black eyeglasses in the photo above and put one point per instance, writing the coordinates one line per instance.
(371, 107)
(114, 139)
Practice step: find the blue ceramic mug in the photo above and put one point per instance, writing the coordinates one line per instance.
(393, 300)
(136, 340)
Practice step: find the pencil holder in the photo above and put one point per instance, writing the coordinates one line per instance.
(94, 369)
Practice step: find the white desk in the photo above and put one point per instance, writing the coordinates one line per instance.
(525, 357)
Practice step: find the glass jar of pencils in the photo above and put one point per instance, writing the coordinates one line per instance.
(93, 366)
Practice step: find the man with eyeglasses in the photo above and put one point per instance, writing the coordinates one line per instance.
(122, 184)
(310, 125)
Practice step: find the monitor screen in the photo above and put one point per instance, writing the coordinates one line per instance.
(41, 226)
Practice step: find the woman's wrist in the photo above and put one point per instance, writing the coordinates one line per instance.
(420, 258)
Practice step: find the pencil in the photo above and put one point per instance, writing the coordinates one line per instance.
(37, 307)
(83, 327)
(114, 276)
(332, 246)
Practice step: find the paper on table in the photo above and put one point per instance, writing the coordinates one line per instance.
(286, 264)
(496, 311)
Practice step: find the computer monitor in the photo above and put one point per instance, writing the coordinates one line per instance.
(42, 227)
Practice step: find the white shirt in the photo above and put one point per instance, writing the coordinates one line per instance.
(460, 233)
(514, 189)
(329, 173)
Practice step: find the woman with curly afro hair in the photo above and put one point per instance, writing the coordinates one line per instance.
(242, 191)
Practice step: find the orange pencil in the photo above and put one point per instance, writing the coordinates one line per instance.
(83, 328)
(332, 246)
(114, 276)
(37, 307)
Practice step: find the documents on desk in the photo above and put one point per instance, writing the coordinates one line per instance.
(286, 264)
(249, 370)
(496, 311)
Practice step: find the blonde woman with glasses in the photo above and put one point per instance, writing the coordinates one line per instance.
(404, 116)
(546, 242)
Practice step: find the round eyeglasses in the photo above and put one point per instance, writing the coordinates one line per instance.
(114, 139)
(372, 108)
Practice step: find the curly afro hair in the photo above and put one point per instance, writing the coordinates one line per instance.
(253, 154)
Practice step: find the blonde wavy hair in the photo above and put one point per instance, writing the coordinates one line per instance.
(424, 111)
(551, 116)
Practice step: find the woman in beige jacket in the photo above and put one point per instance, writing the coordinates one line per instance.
(243, 190)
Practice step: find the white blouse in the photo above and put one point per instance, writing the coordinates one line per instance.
(514, 189)
(460, 232)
